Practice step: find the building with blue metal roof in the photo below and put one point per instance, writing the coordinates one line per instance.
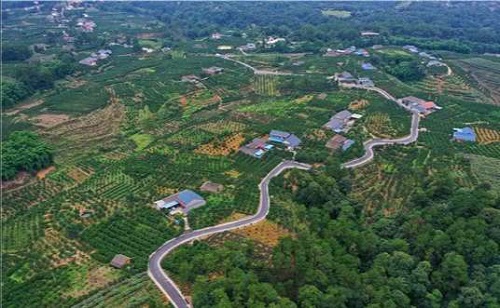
(464, 134)
(185, 200)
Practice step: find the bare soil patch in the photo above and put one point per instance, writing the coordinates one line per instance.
(48, 120)
(25, 106)
(43, 173)
(20, 179)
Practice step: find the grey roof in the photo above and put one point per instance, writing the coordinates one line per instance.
(293, 141)
(343, 115)
(345, 75)
(211, 187)
(189, 198)
(279, 133)
(120, 261)
(413, 99)
(334, 124)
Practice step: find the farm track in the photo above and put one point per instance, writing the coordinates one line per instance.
(256, 71)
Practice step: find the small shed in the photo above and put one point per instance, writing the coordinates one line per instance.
(119, 261)
(212, 187)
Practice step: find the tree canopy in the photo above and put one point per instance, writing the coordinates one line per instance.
(24, 151)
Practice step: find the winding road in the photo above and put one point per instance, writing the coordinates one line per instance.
(370, 144)
(158, 275)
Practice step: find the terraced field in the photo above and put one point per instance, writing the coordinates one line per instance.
(486, 73)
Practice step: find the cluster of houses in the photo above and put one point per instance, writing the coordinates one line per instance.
(464, 134)
(96, 56)
(343, 52)
(342, 121)
(347, 79)
(432, 60)
(259, 146)
(421, 106)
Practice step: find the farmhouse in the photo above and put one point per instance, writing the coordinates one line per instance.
(273, 40)
(147, 50)
(345, 78)
(365, 82)
(362, 52)
(426, 55)
(257, 148)
(411, 48)
(435, 63)
(190, 78)
(248, 46)
(347, 51)
(216, 36)
(103, 53)
(367, 66)
(464, 134)
(332, 53)
(369, 33)
(422, 106)
(341, 121)
(212, 187)
(119, 261)
(90, 61)
(183, 201)
(339, 141)
(286, 138)
(213, 70)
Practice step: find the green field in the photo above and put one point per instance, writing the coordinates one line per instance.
(133, 135)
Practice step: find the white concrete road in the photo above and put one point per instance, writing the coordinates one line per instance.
(158, 275)
(370, 144)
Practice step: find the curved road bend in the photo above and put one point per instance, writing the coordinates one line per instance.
(158, 275)
(370, 144)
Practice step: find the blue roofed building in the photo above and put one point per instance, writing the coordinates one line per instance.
(278, 136)
(292, 141)
(464, 134)
(367, 66)
(347, 144)
(184, 201)
(286, 138)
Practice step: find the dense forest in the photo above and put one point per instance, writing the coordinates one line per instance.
(24, 151)
(442, 252)
(421, 23)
